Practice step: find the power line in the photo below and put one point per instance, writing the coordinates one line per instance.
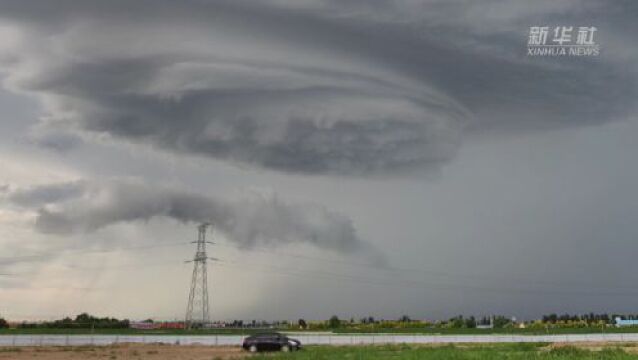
(78, 250)
(304, 273)
(395, 269)
(367, 279)
(402, 282)
(376, 267)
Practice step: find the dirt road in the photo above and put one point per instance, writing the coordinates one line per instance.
(123, 352)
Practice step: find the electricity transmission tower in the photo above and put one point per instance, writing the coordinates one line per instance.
(197, 309)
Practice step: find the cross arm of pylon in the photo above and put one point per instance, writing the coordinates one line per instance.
(190, 261)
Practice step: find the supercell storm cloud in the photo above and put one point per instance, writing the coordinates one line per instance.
(316, 88)
(246, 97)
(417, 135)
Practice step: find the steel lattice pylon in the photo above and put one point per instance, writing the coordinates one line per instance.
(197, 309)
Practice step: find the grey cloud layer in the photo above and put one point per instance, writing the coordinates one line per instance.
(86, 206)
(218, 90)
(308, 87)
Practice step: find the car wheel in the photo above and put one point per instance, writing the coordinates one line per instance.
(252, 348)
(285, 348)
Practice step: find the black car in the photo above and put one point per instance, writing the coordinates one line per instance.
(270, 342)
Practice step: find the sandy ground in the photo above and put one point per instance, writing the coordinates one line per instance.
(123, 351)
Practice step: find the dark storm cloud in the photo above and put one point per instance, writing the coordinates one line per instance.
(44, 194)
(310, 87)
(87, 206)
(53, 139)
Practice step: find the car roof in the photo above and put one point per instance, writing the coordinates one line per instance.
(267, 334)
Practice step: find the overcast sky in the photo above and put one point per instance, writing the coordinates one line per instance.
(355, 158)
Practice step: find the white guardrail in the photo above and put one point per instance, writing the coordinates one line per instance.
(314, 339)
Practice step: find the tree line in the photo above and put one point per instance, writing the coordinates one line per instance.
(86, 321)
(81, 321)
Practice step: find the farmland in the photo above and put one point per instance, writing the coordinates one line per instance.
(475, 352)
(536, 351)
(122, 351)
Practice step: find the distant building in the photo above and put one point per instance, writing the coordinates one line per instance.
(482, 325)
(144, 325)
(172, 325)
(620, 322)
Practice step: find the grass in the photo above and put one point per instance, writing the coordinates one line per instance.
(474, 352)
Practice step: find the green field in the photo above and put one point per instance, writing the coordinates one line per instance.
(499, 351)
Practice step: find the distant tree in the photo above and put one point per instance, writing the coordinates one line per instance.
(334, 322)
(84, 318)
(457, 322)
(470, 322)
(302, 324)
(3, 323)
(404, 319)
(501, 321)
